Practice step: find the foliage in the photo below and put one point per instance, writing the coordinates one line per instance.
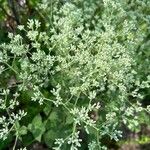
(80, 74)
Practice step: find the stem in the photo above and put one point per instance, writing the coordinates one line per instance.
(53, 101)
(51, 12)
(13, 126)
(13, 60)
(66, 107)
(74, 128)
(135, 106)
(14, 10)
(69, 99)
(11, 67)
(48, 100)
(15, 143)
(76, 100)
(98, 140)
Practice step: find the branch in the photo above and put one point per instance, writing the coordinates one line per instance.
(11, 4)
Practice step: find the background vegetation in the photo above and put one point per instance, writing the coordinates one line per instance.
(74, 74)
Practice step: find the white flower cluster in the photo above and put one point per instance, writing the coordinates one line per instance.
(74, 141)
(92, 53)
(59, 143)
(93, 146)
(82, 115)
(9, 119)
(22, 148)
(56, 93)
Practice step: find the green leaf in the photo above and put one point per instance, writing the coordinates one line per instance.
(53, 116)
(69, 119)
(49, 137)
(46, 110)
(30, 126)
(37, 127)
(23, 130)
(37, 133)
(37, 120)
(17, 125)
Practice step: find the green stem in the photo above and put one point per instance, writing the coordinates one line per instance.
(98, 143)
(76, 100)
(11, 68)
